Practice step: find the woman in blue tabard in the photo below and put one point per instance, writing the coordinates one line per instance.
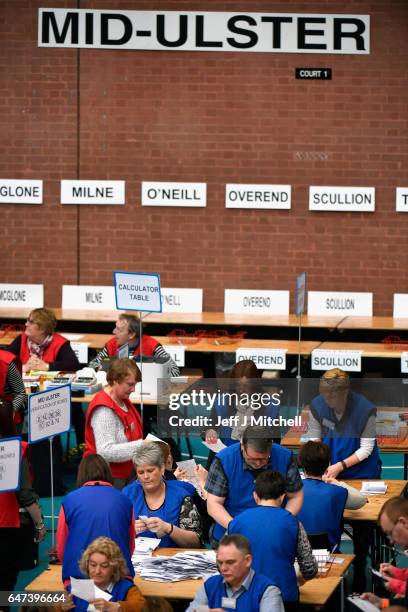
(248, 399)
(162, 508)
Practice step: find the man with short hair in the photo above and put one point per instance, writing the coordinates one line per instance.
(230, 482)
(277, 538)
(237, 586)
(126, 331)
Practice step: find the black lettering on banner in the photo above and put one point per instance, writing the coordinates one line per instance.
(127, 24)
(232, 27)
(276, 29)
(89, 37)
(71, 21)
(338, 34)
(200, 42)
(303, 32)
(182, 33)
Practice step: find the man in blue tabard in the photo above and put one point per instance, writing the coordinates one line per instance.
(230, 482)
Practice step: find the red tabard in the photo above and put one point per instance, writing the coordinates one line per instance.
(50, 353)
(9, 508)
(149, 346)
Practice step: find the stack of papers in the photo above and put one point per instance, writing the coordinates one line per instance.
(374, 488)
(189, 565)
(143, 550)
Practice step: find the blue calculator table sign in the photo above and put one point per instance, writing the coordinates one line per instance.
(137, 291)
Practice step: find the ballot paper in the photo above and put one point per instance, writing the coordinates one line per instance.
(143, 549)
(153, 438)
(216, 447)
(87, 590)
(374, 488)
(188, 565)
(362, 604)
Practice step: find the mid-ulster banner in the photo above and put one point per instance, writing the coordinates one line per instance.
(204, 31)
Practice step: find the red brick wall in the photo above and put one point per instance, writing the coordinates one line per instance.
(214, 118)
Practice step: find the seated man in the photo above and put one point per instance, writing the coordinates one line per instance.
(277, 538)
(237, 586)
(126, 331)
(324, 498)
(230, 482)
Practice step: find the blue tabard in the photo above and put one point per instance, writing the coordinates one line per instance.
(119, 593)
(343, 437)
(176, 492)
(273, 534)
(224, 432)
(248, 601)
(90, 512)
(322, 510)
(241, 481)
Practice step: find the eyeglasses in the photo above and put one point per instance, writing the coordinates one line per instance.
(258, 460)
(31, 321)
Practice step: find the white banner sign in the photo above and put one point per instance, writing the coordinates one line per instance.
(346, 199)
(182, 300)
(400, 305)
(88, 297)
(404, 362)
(204, 31)
(328, 303)
(177, 353)
(265, 359)
(92, 192)
(19, 296)
(49, 413)
(137, 291)
(10, 457)
(19, 191)
(258, 196)
(174, 194)
(401, 203)
(81, 351)
(349, 361)
(250, 301)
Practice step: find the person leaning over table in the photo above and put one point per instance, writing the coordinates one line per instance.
(237, 586)
(126, 331)
(230, 482)
(103, 562)
(277, 538)
(11, 384)
(166, 505)
(113, 427)
(94, 509)
(345, 421)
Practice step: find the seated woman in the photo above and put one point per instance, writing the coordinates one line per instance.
(94, 509)
(162, 508)
(113, 427)
(324, 498)
(102, 562)
(245, 383)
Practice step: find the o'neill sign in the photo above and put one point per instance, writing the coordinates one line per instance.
(204, 31)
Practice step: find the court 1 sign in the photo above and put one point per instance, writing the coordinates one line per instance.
(137, 291)
(49, 413)
(10, 456)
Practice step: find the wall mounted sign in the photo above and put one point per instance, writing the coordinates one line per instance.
(329, 303)
(400, 305)
(322, 74)
(92, 192)
(19, 191)
(252, 301)
(401, 199)
(345, 199)
(174, 194)
(258, 196)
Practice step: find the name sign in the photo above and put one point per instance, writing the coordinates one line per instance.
(10, 458)
(204, 31)
(182, 300)
(349, 361)
(401, 203)
(346, 199)
(174, 194)
(404, 362)
(88, 297)
(14, 295)
(249, 301)
(81, 351)
(19, 191)
(49, 413)
(177, 353)
(92, 192)
(328, 303)
(400, 305)
(137, 291)
(265, 359)
(258, 196)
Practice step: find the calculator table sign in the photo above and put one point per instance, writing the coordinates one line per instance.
(137, 291)
(10, 456)
(49, 413)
